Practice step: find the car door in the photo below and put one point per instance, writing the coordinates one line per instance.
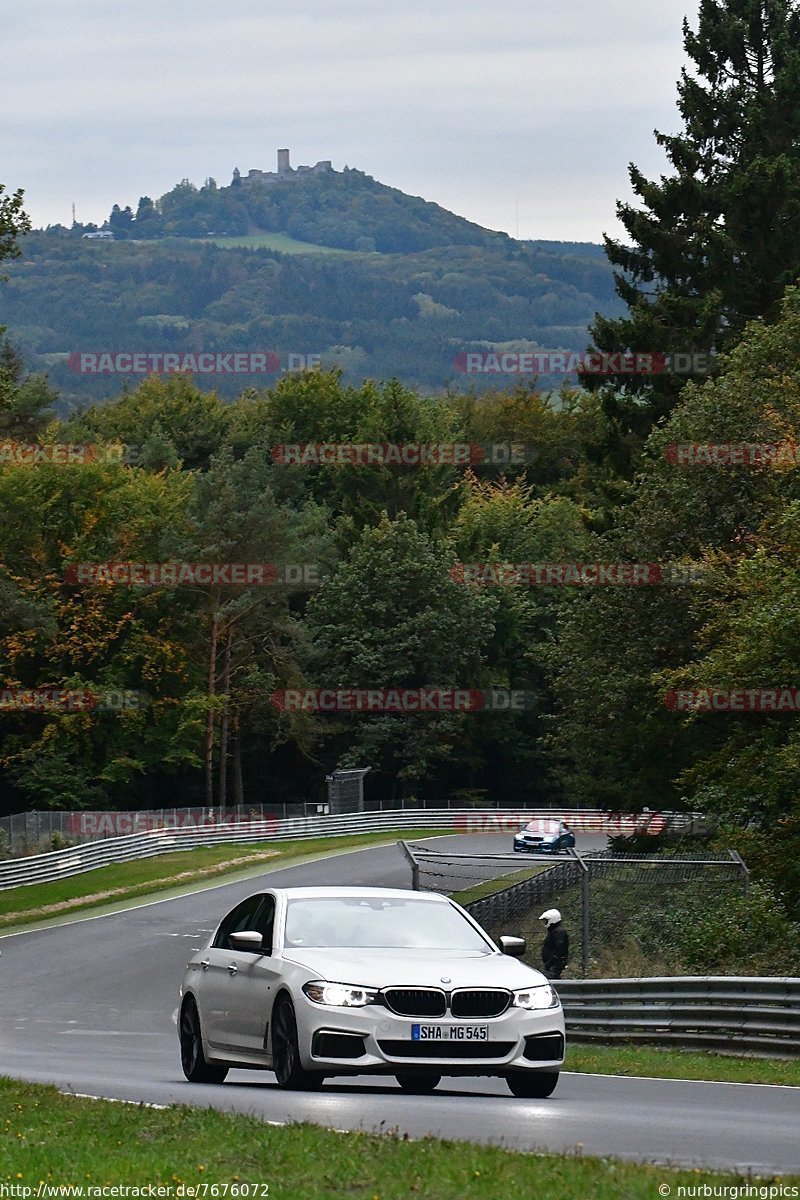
(219, 997)
(255, 982)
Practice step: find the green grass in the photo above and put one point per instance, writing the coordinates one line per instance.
(64, 1140)
(490, 886)
(124, 881)
(680, 1064)
(281, 242)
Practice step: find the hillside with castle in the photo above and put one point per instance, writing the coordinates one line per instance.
(342, 210)
(285, 173)
(246, 266)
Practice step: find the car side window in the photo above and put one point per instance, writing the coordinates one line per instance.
(264, 922)
(239, 919)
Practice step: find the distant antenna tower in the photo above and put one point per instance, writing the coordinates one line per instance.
(73, 212)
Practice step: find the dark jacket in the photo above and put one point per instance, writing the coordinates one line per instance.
(555, 951)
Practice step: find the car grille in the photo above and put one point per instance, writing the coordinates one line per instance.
(416, 1002)
(431, 1002)
(479, 1002)
(433, 1049)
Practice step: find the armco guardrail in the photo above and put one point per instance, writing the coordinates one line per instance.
(737, 1014)
(58, 864)
(32, 832)
(42, 868)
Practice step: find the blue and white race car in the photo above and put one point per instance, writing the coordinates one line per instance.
(544, 836)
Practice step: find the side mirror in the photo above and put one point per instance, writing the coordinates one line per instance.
(248, 940)
(513, 946)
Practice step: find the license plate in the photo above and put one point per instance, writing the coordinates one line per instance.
(449, 1033)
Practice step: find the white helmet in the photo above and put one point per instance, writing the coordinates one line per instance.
(552, 916)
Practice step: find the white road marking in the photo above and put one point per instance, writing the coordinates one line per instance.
(114, 1100)
(668, 1079)
(109, 1033)
(77, 920)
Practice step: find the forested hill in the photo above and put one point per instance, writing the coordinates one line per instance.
(331, 269)
(346, 210)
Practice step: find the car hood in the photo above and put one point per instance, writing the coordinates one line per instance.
(415, 968)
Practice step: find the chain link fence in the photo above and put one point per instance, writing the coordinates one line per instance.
(613, 905)
(38, 832)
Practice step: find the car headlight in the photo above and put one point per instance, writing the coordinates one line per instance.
(340, 995)
(536, 997)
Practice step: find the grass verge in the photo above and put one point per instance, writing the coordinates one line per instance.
(65, 1140)
(490, 886)
(144, 876)
(680, 1064)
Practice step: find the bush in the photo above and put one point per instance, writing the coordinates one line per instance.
(637, 843)
(733, 935)
(59, 842)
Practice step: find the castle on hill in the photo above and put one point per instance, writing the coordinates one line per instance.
(285, 172)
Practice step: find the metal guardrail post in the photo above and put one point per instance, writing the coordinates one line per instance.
(737, 858)
(414, 866)
(584, 910)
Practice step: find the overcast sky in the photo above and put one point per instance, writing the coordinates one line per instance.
(521, 116)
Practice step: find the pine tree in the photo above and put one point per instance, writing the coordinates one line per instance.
(715, 243)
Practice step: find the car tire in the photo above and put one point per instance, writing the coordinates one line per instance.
(418, 1085)
(193, 1060)
(286, 1051)
(532, 1085)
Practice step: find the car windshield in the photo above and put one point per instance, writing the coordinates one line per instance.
(379, 924)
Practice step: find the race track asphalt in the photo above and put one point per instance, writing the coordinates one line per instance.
(91, 1005)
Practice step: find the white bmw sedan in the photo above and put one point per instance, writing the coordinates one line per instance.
(310, 982)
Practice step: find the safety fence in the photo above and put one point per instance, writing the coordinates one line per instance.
(540, 891)
(737, 1014)
(58, 864)
(606, 897)
(36, 832)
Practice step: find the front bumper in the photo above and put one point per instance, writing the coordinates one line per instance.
(523, 847)
(372, 1040)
